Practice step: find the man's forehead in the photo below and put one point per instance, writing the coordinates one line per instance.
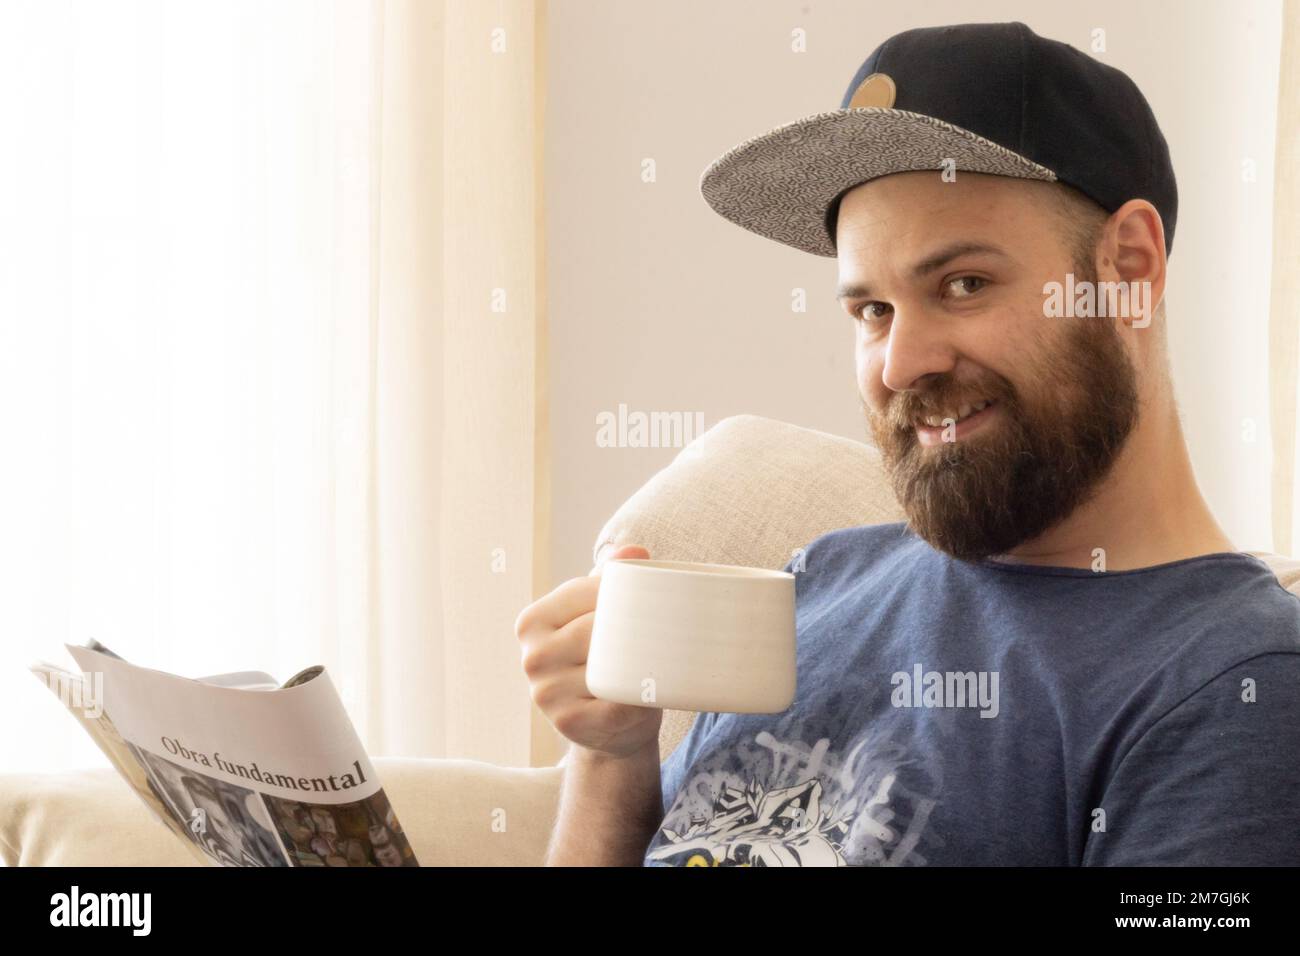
(909, 215)
(887, 195)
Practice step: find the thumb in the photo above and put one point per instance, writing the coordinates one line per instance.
(625, 551)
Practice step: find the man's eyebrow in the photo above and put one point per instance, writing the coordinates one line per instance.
(931, 263)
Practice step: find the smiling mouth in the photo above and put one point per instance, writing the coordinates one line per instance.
(958, 415)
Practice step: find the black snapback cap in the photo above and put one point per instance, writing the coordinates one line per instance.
(991, 98)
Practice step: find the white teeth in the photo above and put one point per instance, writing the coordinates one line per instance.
(937, 421)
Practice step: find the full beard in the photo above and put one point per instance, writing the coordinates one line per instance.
(1021, 475)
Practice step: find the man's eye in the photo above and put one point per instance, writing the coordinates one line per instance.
(961, 286)
(867, 312)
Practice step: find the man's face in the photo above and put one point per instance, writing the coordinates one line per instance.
(952, 317)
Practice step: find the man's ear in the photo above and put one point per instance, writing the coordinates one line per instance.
(1133, 250)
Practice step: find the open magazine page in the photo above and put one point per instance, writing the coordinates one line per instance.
(250, 777)
(83, 696)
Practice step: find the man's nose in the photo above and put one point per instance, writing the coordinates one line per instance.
(918, 345)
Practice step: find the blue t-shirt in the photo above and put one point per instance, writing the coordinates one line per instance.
(957, 713)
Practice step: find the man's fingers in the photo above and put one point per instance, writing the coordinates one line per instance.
(566, 647)
(571, 599)
(562, 687)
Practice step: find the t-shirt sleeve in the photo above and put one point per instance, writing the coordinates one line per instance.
(1216, 781)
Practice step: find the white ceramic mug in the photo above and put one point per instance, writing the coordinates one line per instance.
(680, 635)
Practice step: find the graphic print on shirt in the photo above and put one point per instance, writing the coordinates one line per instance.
(781, 802)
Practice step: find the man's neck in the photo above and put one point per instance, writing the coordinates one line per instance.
(1147, 511)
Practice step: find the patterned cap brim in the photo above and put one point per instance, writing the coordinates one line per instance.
(781, 184)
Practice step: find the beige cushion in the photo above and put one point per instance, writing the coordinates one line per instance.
(750, 491)
(446, 807)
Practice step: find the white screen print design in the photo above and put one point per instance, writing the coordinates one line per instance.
(788, 803)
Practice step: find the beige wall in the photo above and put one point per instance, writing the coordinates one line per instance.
(657, 303)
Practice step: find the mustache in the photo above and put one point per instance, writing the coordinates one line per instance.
(906, 408)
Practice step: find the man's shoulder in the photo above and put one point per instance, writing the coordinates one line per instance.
(1219, 621)
(1275, 601)
(1241, 678)
(1243, 607)
(1213, 781)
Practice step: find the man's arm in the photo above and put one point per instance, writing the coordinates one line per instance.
(609, 809)
(1216, 781)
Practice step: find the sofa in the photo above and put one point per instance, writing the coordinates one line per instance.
(748, 491)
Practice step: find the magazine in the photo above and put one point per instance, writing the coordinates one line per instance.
(245, 771)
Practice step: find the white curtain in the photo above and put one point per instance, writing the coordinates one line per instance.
(1284, 309)
(224, 352)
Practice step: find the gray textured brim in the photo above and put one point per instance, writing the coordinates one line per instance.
(781, 184)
